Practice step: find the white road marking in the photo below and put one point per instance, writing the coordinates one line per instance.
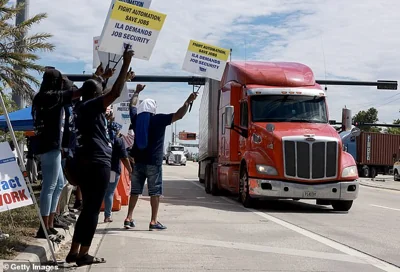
(335, 245)
(240, 246)
(197, 184)
(383, 207)
(382, 189)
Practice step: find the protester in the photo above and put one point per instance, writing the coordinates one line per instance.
(78, 199)
(31, 161)
(47, 110)
(93, 154)
(68, 149)
(119, 154)
(147, 152)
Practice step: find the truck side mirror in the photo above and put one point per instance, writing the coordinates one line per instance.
(229, 117)
(355, 132)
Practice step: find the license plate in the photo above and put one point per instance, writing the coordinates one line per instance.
(310, 194)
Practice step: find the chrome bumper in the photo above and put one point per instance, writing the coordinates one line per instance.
(345, 190)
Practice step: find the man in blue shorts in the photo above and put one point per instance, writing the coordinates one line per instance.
(148, 152)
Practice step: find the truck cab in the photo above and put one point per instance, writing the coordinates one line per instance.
(176, 155)
(275, 140)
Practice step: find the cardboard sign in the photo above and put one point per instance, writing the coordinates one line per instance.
(96, 59)
(121, 114)
(96, 40)
(206, 60)
(131, 25)
(13, 190)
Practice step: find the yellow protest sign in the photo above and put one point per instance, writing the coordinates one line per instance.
(209, 50)
(133, 26)
(138, 16)
(206, 60)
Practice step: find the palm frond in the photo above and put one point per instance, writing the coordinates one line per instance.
(18, 52)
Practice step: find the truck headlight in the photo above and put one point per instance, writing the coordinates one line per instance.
(265, 169)
(350, 171)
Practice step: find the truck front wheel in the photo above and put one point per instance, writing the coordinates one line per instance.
(244, 197)
(342, 205)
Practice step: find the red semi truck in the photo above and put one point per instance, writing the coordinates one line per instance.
(265, 133)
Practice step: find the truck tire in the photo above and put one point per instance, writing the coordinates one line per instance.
(374, 173)
(396, 175)
(198, 173)
(342, 205)
(207, 185)
(365, 172)
(244, 196)
(213, 183)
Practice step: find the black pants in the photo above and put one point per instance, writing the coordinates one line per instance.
(93, 181)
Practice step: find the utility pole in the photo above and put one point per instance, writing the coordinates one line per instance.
(20, 18)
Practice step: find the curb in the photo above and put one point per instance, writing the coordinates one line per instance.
(38, 251)
(379, 187)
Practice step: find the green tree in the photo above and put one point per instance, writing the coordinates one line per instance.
(369, 116)
(18, 51)
(394, 130)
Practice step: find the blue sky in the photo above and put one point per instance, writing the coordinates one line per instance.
(338, 39)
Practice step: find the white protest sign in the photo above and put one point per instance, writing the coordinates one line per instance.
(122, 117)
(131, 25)
(206, 60)
(96, 40)
(13, 190)
(96, 59)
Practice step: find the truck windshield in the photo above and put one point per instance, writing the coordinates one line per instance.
(288, 108)
(177, 148)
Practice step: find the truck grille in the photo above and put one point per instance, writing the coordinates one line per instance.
(177, 158)
(310, 160)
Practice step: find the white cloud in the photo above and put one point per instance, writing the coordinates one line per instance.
(357, 39)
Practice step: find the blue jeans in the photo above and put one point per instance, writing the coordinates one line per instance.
(53, 181)
(153, 174)
(109, 197)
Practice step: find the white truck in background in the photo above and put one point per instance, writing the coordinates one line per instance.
(176, 155)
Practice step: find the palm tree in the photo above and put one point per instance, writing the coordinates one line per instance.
(18, 51)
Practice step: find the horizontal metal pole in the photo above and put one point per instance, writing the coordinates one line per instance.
(381, 84)
(191, 80)
(368, 125)
(378, 125)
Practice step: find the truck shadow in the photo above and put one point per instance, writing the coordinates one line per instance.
(190, 193)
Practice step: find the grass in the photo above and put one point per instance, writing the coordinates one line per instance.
(21, 224)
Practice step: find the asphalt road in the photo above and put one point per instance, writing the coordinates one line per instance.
(207, 233)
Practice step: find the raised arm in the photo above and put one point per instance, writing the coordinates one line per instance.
(118, 86)
(183, 110)
(135, 96)
(133, 103)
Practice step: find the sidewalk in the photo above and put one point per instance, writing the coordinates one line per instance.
(381, 182)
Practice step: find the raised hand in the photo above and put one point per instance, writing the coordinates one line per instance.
(108, 73)
(128, 54)
(192, 97)
(99, 70)
(130, 75)
(140, 88)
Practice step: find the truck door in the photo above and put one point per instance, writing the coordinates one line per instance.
(244, 121)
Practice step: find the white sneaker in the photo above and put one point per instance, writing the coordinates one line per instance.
(3, 236)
